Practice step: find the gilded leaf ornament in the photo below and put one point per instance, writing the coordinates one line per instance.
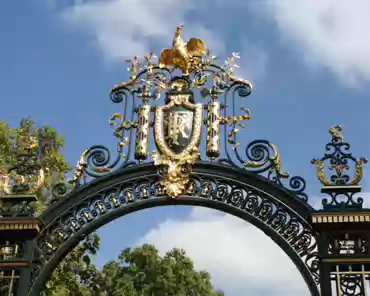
(26, 176)
(339, 157)
(181, 72)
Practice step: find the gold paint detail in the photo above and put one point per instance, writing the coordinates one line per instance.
(190, 57)
(336, 133)
(179, 85)
(115, 201)
(240, 80)
(121, 125)
(136, 66)
(34, 181)
(183, 55)
(352, 271)
(213, 129)
(14, 264)
(339, 166)
(235, 122)
(82, 165)
(321, 218)
(174, 169)
(20, 225)
(22, 197)
(142, 134)
(359, 171)
(74, 225)
(274, 159)
(149, 79)
(320, 172)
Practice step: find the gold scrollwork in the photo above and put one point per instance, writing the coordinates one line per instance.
(136, 66)
(339, 162)
(121, 125)
(176, 175)
(275, 160)
(235, 121)
(359, 172)
(178, 124)
(81, 166)
(320, 171)
(9, 181)
(240, 80)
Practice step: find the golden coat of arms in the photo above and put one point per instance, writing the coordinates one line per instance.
(177, 131)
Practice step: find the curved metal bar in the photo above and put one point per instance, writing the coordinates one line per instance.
(96, 160)
(280, 214)
(242, 90)
(131, 134)
(118, 96)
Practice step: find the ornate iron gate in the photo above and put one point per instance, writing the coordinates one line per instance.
(330, 247)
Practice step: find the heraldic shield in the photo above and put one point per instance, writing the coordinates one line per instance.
(177, 131)
(178, 126)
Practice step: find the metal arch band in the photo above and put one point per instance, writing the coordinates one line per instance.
(249, 186)
(217, 186)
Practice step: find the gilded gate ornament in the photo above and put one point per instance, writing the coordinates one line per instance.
(161, 106)
(340, 181)
(182, 55)
(338, 158)
(177, 131)
(26, 176)
(183, 75)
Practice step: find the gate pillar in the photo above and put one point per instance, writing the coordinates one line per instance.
(18, 224)
(17, 231)
(342, 226)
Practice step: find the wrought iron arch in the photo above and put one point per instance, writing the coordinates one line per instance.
(280, 214)
(330, 247)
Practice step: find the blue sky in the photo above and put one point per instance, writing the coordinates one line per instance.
(308, 62)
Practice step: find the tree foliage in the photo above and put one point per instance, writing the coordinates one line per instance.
(69, 277)
(143, 272)
(13, 142)
(138, 272)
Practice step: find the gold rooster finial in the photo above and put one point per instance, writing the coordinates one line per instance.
(182, 54)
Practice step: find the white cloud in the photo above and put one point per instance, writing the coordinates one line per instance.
(125, 28)
(330, 33)
(253, 62)
(121, 29)
(242, 260)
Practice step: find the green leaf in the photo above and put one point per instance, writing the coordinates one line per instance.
(86, 259)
